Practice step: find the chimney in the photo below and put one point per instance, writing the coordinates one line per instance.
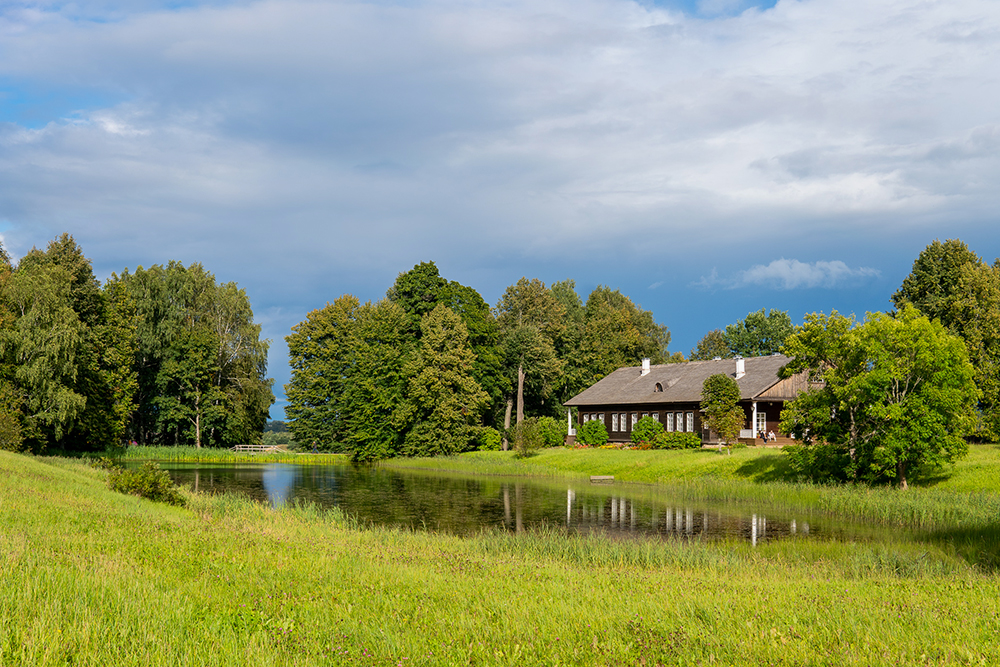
(741, 368)
(645, 367)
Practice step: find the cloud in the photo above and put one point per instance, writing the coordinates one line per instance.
(789, 274)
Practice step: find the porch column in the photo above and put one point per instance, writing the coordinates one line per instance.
(753, 421)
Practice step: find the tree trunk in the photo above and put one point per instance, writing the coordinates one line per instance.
(520, 393)
(901, 475)
(197, 421)
(506, 420)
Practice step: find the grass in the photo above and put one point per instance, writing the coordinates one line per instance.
(91, 577)
(214, 455)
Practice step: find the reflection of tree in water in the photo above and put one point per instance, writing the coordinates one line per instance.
(466, 505)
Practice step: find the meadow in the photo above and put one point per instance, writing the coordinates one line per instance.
(92, 577)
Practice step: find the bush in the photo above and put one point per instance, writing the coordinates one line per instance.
(278, 438)
(676, 440)
(553, 433)
(592, 433)
(150, 481)
(646, 429)
(489, 439)
(526, 437)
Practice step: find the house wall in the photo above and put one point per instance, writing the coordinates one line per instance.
(660, 412)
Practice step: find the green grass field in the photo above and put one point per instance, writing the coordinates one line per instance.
(91, 577)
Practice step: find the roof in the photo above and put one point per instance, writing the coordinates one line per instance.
(682, 383)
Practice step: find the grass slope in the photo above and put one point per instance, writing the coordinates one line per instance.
(89, 577)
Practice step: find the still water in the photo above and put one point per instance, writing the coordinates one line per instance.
(464, 505)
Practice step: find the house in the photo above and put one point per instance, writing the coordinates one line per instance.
(671, 394)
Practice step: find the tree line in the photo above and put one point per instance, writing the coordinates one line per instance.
(432, 369)
(165, 355)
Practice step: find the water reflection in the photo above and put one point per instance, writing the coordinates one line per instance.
(465, 505)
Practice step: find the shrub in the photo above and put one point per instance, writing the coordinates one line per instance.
(526, 437)
(676, 440)
(278, 438)
(149, 481)
(646, 429)
(489, 439)
(592, 433)
(553, 433)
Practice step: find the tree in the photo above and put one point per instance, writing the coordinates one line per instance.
(897, 393)
(759, 334)
(619, 333)
(189, 401)
(376, 383)
(720, 401)
(320, 353)
(444, 402)
(951, 283)
(712, 345)
(531, 319)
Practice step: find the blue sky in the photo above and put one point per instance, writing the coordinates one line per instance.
(707, 157)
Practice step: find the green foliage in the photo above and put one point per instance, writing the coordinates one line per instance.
(443, 401)
(712, 345)
(148, 481)
(222, 398)
(820, 462)
(527, 438)
(552, 432)
(593, 433)
(720, 396)
(646, 429)
(278, 439)
(675, 440)
(951, 283)
(898, 393)
(320, 351)
(489, 439)
(759, 334)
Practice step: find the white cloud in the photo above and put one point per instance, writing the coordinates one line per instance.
(788, 274)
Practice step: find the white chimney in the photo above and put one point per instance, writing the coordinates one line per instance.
(741, 367)
(645, 367)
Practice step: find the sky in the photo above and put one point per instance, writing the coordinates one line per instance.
(708, 158)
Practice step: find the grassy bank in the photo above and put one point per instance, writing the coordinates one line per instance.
(213, 455)
(89, 577)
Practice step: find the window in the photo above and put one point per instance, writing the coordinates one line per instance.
(635, 418)
(761, 421)
(670, 421)
(658, 388)
(614, 421)
(680, 421)
(656, 416)
(645, 414)
(690, 428)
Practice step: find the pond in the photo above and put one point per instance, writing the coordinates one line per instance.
(463, 505)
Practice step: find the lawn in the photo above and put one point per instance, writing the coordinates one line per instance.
(90, 577)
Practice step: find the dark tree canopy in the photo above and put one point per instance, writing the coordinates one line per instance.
(759, 334)
(712, 345)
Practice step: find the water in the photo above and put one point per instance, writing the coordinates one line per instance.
(465, 505)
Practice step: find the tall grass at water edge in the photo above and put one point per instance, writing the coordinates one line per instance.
(89, 577)
(219, 455)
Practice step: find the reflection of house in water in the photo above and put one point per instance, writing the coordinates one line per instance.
(617, 515)
(671, 394)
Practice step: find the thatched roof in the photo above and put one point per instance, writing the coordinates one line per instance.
(681, 383)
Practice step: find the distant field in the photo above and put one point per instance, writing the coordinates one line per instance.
(90, 577)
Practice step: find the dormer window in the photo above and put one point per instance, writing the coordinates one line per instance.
(658, 388)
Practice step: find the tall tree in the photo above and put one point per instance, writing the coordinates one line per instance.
(444, 402)
(376, 387)
(619, 333)
(320, 352)
(896, 393)
(759, 334)
(528, 312)
(951, 283)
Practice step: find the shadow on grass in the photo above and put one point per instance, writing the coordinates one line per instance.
(979, 547)
(771, 467)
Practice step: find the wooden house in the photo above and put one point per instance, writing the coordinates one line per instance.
(671, 394)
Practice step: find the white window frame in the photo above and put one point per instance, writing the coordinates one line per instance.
(614, 422)
(690, 422)
(635, 418)
(670, 422)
